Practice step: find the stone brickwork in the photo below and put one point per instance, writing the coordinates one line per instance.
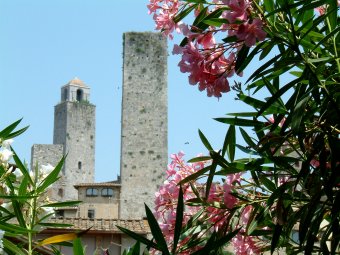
(43, 154)
(74, 128)
(144, 121)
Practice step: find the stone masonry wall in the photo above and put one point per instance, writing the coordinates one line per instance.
(144, 121)
(43, 154)
(74, 128)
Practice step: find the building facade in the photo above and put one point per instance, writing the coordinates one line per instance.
(143, 151)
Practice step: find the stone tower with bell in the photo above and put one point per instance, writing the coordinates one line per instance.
(74, 128)
(74, 136)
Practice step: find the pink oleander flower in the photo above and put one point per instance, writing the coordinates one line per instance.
(207, 68)
(238, 10)
(242, 243)
(164, 12)
(272, 120)
(245, 245)
(250, 32)
(166, 197)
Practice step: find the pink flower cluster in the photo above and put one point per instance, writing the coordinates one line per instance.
(164, 12)
(166, 197)
(209, 63)
(242, 243)
(217, 216)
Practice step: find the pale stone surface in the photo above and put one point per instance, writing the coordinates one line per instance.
(144, 121)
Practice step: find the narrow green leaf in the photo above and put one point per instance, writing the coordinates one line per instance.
(78, 247)
(179, 219)
(278, 95)
(247, 138)
(240, 122)
(12, 247)
(135, 249)
(16, 133)
(276, 237)
(62, 204)
(199, 159)
(138, 237)
(243, 114)
(267, 183)
(21, 167)
(205, 141)
(184, 13)
(156, 231)
(6, 131)
(215, 22)
(195, 175)
(241, 56)
(229, 143)
(200, 16)
(298, 113)
(211, 173)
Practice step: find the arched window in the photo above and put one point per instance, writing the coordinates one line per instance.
(107, 192)
(91, 192)
(65, 94)
(79, 165)
(79, 95)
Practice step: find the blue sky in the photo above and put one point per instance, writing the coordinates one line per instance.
(44, 44)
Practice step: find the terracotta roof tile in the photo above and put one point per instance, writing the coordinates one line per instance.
(102, 225)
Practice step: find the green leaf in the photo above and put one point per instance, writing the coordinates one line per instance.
(213, 155)
(247, 138)
(13, 228)
(258, 72)
(215, 22)
(205, 141)
(257, 104)
(21, 167)
(12, 247)
(195, 175)
(243, 114)
(276, 237)
(241, 56)
(179, 219)
(62, 204)
(298, 113)
(135, 249)
(199, 159)
(267, 183)
(78, 247)
(240, 122)
(277, 96)
(156, 232)
(229, 143)
(138, 237)
(200, 16)
(184, 13)
(16, 133)
(7, 131)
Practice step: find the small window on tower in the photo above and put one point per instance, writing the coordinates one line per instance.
(61, 192)
(79, 95)
(59, 213)
(90, 213)
(91, 192)
(79, 165)
(65, 94)
(107, 192)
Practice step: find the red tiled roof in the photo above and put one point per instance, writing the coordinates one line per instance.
(99, 184)
(100, 225)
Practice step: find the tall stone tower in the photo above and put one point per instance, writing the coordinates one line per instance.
(74, 128)
(144, 121)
